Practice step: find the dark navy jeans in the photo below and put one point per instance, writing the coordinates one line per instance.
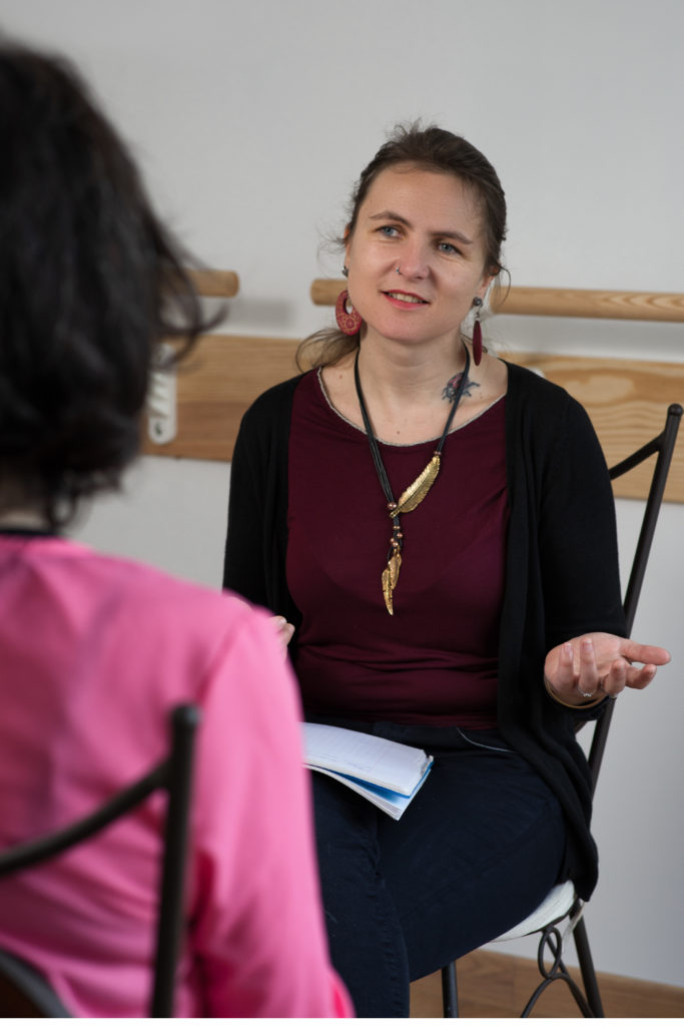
(476, 851)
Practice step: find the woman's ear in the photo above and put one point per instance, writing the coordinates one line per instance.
(489, 275)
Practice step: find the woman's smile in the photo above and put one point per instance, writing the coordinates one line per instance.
(406, 299)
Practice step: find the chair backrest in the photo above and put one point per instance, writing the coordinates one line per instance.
(173, 775)
(25, 993)
(662, 446)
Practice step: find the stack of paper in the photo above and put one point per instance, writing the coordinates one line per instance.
(387, 773)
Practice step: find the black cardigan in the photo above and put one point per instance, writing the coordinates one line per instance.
(562, 575)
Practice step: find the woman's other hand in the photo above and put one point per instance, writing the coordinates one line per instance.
(284, 629)
(595, 665)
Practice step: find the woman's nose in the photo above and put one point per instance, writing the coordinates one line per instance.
(414, 260)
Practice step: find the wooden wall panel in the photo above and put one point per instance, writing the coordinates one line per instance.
(216, 384)
(626, 399)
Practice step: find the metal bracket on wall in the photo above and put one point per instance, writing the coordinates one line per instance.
(162, 408)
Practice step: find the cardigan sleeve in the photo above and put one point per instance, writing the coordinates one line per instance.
(244, 570)
(577, 535)
(256, 545)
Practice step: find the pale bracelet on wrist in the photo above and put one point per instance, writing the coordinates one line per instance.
(568, 705)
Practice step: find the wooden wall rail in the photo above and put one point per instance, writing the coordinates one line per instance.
(215, 283)
(548, 302)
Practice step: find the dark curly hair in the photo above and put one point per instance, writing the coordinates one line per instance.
(90, 282)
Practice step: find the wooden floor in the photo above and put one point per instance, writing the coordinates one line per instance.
(498, 986)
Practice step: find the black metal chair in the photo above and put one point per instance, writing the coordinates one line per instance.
(562, 907)
(24, 992)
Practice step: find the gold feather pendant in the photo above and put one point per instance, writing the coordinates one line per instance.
(390, 576)
(412, 496)
(416, 492)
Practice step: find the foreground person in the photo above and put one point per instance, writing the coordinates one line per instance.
(95, 651)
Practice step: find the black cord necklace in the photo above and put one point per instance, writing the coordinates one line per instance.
(412, 496)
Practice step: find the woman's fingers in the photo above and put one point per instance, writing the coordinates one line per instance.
(615, 680)
(589, 678)
(285, 630)
(599, 663)
(641, 676)
(646, 654)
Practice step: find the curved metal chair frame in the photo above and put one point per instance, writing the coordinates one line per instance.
(20, 983)
(552, 940)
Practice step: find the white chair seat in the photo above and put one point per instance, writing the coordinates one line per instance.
(555, 905)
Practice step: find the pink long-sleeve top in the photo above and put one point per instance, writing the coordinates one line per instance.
(94, 652)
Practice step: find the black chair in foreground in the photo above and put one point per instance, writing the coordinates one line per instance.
(562, 906)
(24, 993)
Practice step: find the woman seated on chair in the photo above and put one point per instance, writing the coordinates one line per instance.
(438, 526)
(95, 651)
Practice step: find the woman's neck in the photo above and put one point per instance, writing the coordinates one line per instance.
(408, 395)
(413, 374)
(408, 388)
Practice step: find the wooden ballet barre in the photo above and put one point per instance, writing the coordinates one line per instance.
(589, 303)
(548, 302)
(215, 283)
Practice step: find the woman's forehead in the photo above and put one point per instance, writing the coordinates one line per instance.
(423, 191)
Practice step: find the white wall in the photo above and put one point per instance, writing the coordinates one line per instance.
(252, 121)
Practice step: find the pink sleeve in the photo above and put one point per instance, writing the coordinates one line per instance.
(259, 942)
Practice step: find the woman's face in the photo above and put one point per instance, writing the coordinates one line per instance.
(428, 226)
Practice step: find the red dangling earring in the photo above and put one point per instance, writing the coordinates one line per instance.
(477, 332)
(349, 322)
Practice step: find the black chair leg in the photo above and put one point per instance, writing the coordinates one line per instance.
(587, 969)
(450, 991)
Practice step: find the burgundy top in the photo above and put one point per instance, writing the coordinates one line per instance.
(435, 660)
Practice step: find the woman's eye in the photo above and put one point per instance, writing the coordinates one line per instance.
(389, 230)
(448, 248)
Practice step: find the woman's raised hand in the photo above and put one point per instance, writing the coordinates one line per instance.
(596, 665)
